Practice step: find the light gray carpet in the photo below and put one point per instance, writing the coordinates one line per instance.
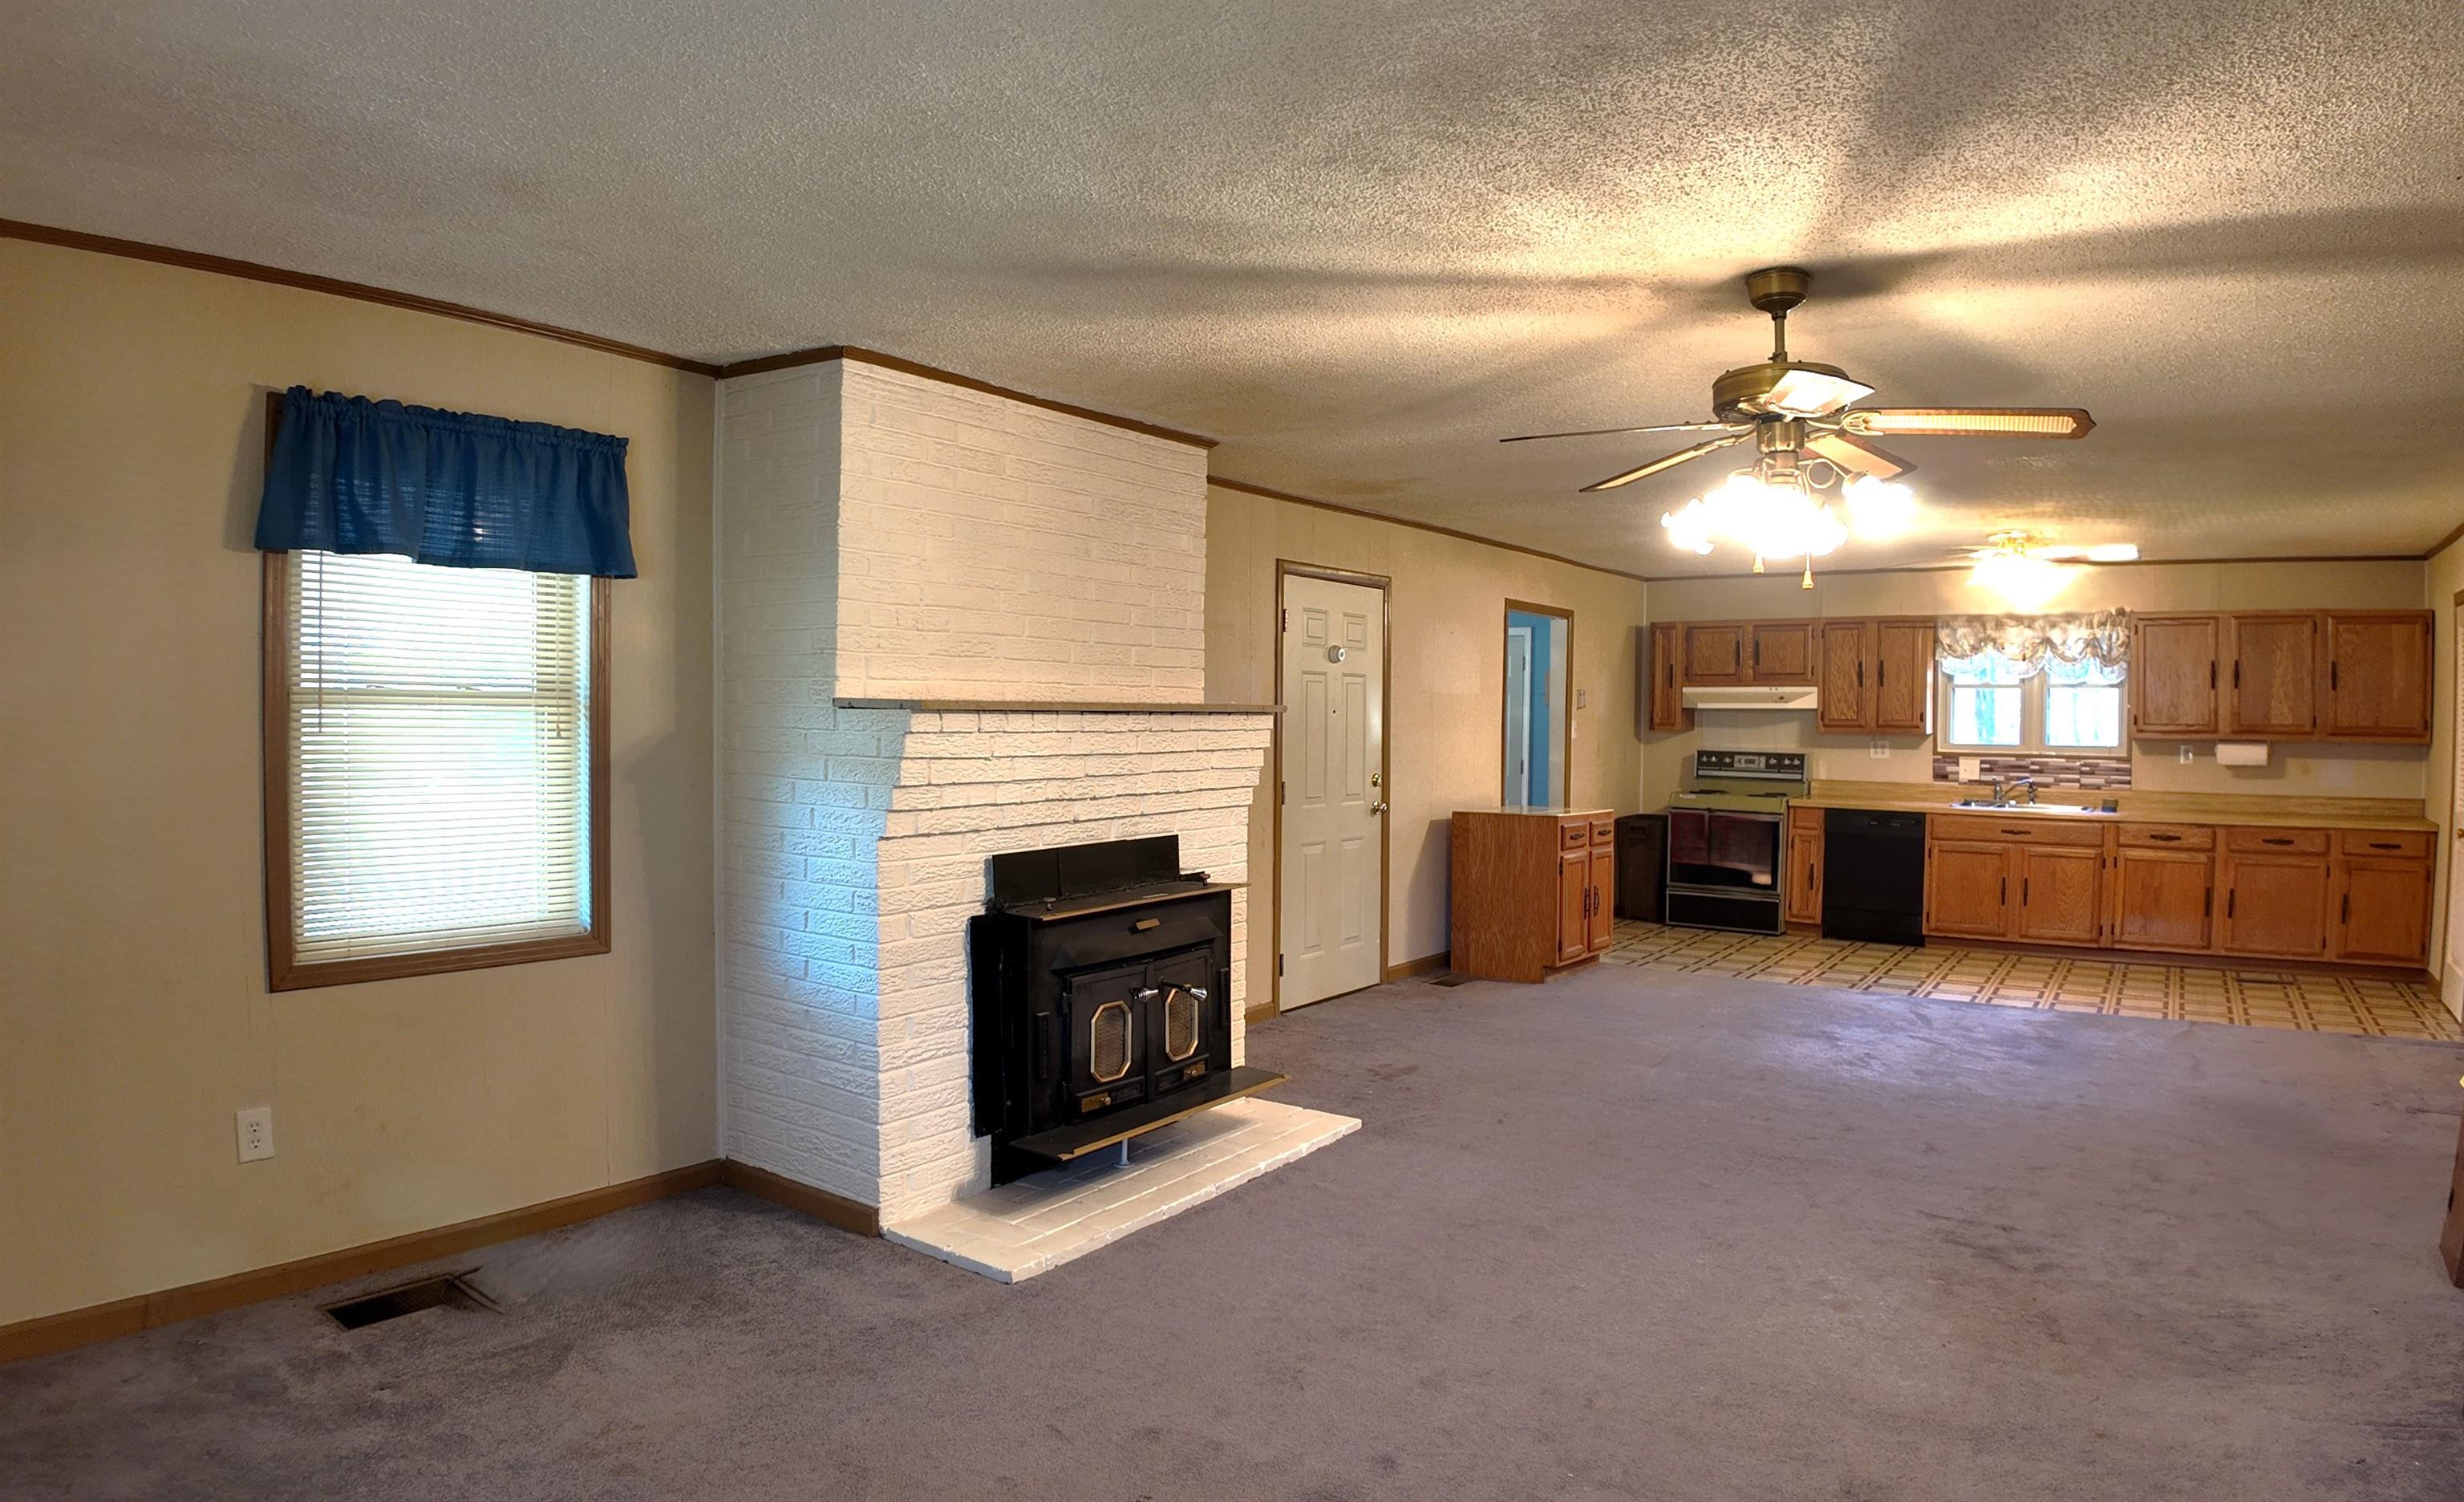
(1629, 1235)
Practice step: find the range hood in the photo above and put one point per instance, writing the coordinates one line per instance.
(1784, 697)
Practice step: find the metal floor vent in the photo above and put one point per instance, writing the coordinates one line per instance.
(410, 1298)
(1450, 978)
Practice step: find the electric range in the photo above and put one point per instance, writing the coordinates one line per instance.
(1726, 833)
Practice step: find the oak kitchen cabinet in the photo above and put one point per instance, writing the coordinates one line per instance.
(1877, 675)
(2274, 884)
(2383, 880)
(2034, 880)
(1780, 651)
(2164, 889)
(2283, 675)
(1533, 891)
(1666, 705)
(1802, 870)
(2174, 661)
(1715, 651)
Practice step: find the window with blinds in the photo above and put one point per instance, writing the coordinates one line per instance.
(437, 735)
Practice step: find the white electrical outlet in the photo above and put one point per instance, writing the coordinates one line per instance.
(2186, 749)
(1878, 749)
(255, 1134)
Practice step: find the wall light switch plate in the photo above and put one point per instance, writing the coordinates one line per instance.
(1878, 749)
(255, 1134)
(2187, 750)
(1582, 698)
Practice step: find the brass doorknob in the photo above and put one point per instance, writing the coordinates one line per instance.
(1378, 808)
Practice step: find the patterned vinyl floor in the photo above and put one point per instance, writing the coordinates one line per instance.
(2376, 1005)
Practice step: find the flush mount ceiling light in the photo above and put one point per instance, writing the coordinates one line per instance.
(1809, 439)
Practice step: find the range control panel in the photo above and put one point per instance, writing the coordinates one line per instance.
(1779, 766)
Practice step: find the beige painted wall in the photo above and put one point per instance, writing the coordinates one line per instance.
(1444, 723)
(133, 1017)
(2318, 770)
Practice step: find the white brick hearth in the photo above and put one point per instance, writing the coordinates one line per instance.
(1059, 1215)
(889, 544)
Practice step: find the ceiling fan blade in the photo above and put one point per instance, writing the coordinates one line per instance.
(1594, 433)
(1968, 422)
(1856, 456)
(1666, 461)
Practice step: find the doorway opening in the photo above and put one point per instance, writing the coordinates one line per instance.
(1538, 710)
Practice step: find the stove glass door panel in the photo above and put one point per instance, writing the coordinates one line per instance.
(1718, 849)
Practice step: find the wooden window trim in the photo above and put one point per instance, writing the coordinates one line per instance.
(284, 970)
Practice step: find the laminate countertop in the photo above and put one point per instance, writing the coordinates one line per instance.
(2244, 809)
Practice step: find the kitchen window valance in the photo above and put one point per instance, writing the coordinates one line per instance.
(349, 475)
(2031, 642)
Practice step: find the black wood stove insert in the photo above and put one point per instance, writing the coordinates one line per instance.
(1101, 1001)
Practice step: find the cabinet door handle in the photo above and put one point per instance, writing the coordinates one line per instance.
(2207, 904)
(2023, 892)
(2345, 913)
(2331, 678)
(2274, 839)
(2236, 672)
(2212, 673)
(2230, 892)
(2384, 844)
(2006, 892)
(2167, 839)
(1860, 672)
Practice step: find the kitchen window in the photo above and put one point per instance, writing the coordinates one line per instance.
(1990, 703)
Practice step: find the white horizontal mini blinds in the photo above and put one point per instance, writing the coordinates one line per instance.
(439, 732)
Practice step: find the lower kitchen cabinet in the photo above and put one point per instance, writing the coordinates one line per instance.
(2362, 895)
(1968, 889)
(2382, 909)
(1802, 871)
(2276, 900)
(2163, 899)
(2059, 892)
(1533, 891)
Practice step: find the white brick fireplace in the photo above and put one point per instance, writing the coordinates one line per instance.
(953, 624)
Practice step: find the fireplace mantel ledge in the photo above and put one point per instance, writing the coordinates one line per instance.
(997, 706)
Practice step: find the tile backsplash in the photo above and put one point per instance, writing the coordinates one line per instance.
(2048, 771)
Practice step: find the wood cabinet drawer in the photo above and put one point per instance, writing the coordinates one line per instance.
(1574, 834)
(2413, 843)
(1804, 821)
(1603, 832)
(2014, 832)
(2276, 842)
(2169, 836)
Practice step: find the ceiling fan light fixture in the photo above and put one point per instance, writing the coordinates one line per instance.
(1767, 520)
(1878, 510)
(1804, 392)
(2114, 553)
(2021, 578)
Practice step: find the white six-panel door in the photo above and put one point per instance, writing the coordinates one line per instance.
(1334, 807)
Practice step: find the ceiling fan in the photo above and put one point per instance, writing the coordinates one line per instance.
(2026, 570)
(1798, 416)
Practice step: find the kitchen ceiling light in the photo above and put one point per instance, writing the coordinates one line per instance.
(2023, 580)
(2114, 553)
(1878, 510)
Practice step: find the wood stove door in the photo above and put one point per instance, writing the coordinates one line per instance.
(1104, 1021)
(1183, 1019)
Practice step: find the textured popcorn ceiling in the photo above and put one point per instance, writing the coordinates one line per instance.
(1359, 242)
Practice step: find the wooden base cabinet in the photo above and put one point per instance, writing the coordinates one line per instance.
(1534, 891)
(2362, 895)
(1802, 871)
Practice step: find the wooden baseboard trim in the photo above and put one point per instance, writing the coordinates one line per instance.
(1426, 965)
(865, 1219)
(1264, 1011)
(77, 1327)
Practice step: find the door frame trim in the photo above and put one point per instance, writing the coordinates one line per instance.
(1384, 584)
(1564, 795)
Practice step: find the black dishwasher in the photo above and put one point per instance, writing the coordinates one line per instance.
(1873, 877)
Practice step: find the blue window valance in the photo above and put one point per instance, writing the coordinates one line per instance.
(353, 475)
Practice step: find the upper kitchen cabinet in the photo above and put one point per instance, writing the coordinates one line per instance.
(2173, 675)
(2273, 691)
(1782, 652)
(2378, 674)
(1843, 701)
(1904, 674)
(1664, 702)
(1715, 653)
